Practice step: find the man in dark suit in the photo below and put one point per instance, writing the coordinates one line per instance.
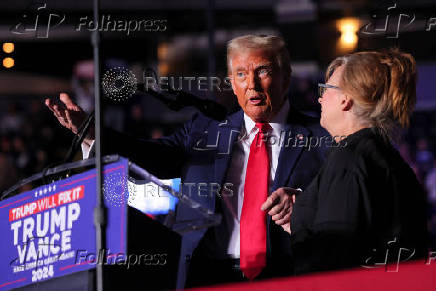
(251, 159)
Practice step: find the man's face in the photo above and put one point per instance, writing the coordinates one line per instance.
(258, 83)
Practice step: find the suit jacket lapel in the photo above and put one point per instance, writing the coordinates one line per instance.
(296, 137)
(227, 133)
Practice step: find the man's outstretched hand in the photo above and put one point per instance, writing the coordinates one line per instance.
(279, 206)
(68, 113)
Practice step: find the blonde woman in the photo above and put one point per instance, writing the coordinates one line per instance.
(366, 201)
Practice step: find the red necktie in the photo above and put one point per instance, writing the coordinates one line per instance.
(253, 220)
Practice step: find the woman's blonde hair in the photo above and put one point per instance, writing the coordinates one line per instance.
(382, 86)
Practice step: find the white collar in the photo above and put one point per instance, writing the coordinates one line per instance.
(277, 123)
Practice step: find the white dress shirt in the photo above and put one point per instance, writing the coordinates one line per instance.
(232, 204)
(86, 149)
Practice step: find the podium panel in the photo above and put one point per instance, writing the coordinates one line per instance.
(48, 238)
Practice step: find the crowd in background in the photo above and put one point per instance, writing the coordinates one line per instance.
(31, 139)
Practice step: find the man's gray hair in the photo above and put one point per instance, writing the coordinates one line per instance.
(272, 43)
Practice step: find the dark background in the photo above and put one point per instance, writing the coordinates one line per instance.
(193, 43)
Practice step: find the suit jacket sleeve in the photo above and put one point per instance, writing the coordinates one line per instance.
(163, 157)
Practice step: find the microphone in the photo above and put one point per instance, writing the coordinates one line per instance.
(119, 84)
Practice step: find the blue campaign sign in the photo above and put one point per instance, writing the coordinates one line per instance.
(49, 231)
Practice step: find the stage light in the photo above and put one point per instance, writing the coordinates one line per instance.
(8, 47)
(8, 62)
(162, 51)
(348, 28)
(162, 55)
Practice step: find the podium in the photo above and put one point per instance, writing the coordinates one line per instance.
(48, 234)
